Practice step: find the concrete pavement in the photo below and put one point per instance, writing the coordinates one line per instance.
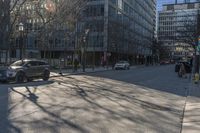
(191, 121)
(65, 72)
(143, 100)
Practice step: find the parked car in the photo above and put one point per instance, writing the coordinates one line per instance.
(122, 65)
(188, 67)
(25, 70)
(164, 62)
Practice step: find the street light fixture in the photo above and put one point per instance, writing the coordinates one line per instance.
(85, 40)
(21, 30)
(21, 27)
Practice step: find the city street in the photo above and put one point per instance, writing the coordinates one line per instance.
(146, 99)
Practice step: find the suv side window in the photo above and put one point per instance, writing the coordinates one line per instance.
(33, 63)
(41, 63)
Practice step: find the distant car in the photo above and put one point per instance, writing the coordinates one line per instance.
(25, 70)
(188, 67)
(164, 62)
(122, 65)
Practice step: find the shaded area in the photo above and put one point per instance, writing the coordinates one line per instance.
(5, 108)
(162, 78)
(162, 99)
(115, 101)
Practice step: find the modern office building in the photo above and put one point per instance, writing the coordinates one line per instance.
(4, 26)
(120, 29)
(160, 3)
(117, 29)
(178, 23)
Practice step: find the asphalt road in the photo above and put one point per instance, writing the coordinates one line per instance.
(149, 99)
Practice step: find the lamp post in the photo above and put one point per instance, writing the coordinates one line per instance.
(85, 41)
(21, 30)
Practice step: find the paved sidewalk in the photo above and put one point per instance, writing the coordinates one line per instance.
(191, 121)
(55, 73)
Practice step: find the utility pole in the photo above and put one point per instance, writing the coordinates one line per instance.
(83, 49)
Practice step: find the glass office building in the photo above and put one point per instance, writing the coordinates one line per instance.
(122, 29)
(160, 3)
(177, 27)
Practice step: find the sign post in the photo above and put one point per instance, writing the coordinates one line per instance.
(198, 47)
(197, 56)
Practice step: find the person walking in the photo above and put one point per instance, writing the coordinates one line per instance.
(182, 71)
(76, 65)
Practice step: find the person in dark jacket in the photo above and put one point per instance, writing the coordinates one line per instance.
(76, 65)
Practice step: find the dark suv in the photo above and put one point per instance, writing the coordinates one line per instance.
(25, 70)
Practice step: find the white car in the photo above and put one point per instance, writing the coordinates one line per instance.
(122, 65)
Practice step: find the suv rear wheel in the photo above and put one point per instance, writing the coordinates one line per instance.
(46, 75)
(20, 77)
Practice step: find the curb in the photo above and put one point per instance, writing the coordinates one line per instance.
(71, 73)
(77, 73)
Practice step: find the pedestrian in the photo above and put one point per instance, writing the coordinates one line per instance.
(182, 71)
(113, 65)
(76, 65)
(191, 62)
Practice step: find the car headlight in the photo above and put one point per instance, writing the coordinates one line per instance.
(11, 73)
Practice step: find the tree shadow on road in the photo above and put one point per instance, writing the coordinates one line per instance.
(93, 90)
(97, 102)
(161, 78)
(29, 95)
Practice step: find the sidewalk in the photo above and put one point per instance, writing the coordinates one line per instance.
(65, 72)
(191, 120)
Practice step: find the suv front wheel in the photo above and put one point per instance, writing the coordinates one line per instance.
(46, 75)
(20, 77)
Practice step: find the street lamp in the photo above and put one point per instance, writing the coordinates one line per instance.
(21, 30)
(85, 40)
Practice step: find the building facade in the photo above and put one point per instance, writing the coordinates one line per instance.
(117, 29)
(178, 24)
(160, 3)
(120, 29)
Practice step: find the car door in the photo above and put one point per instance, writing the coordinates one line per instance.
(31, 69)
(41, 67)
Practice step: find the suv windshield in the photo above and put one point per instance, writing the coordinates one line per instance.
(18, 63)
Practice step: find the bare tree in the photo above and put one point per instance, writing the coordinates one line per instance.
(11, 11)
(57, 17)
(46, 19)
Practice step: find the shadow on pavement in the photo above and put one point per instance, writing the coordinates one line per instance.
(108, 103)
(7, 124)
(161, 78)
(114, 101)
